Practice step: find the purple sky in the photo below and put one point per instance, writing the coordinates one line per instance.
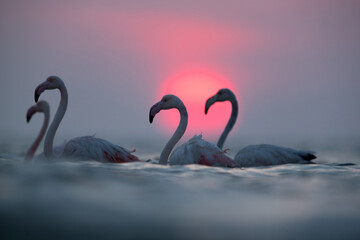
(296, 64)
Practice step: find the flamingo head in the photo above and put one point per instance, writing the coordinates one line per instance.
(40, 106)
(51, 82)
(222, 95)
(167, 102)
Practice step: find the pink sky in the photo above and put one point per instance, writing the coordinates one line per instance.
(293, 63)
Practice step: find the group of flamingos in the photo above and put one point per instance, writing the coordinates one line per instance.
(194, 151)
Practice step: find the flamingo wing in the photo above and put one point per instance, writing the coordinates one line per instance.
(199, 151)
(266, 154)
(88, 147)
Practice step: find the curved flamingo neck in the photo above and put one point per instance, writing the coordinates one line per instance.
(30, 153)
(177, 135)
(231, 122)
(49, 139)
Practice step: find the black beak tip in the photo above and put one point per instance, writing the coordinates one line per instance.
(28, 118)
(151, 118)
(206, 110)
(36, 97)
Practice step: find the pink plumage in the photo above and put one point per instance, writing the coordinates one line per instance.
(88, 147)
(194, 151)
(199, 151)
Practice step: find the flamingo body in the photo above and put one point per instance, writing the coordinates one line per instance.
(199, 151)
(266, 154)
(256, 155)
(196, 150)
(83, 148)
(88, 147)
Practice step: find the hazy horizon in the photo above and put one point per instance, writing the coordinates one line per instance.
(295, 65)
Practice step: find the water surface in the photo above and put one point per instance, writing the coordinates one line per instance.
(91, 200)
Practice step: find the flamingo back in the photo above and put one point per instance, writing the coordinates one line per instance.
(88, 147)
(199, 151)
(266, 155)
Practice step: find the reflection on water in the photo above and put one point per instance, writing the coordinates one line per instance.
(91, 200)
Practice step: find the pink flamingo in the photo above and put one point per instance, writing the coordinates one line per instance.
(256, 155)
(43, 107)
(196, 150)
(86, 147)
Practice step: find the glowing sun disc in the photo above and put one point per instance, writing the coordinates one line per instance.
(194, 87)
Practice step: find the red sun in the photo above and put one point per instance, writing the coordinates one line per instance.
(194, 87)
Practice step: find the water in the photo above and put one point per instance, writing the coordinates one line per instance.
(90, 200)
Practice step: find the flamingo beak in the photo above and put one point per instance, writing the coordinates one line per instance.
(208, 104)
(30, 113)
(154, 110)
(39, 89)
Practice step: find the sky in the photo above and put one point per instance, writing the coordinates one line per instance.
(294, 66)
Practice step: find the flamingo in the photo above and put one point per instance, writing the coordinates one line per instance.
(43, 107)
(256, 155)
(196, 150)
(86, 147)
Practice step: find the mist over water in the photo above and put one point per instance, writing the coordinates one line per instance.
(94, 200)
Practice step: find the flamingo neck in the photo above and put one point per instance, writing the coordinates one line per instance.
(49, 139)
(231, 122)
(177, 135)
(30, 153)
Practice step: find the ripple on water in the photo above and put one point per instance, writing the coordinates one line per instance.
(98, 200)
